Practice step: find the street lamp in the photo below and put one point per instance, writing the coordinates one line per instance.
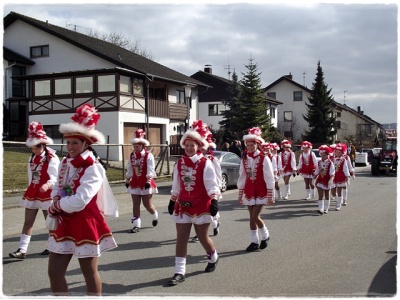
(188, 92)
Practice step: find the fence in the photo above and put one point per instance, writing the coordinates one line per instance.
(16, 156)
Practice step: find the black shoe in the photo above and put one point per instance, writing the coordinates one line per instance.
(195, 239)
(155, 222)
(211, 266)
(216, 230)
(17, 254)
(134, 229)
(253, 247)
(177, 278)
(45, 252)
(264, 243)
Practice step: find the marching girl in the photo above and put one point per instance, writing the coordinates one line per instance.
(278, 159)
(306, 168)
(324, 173)
(42, 174)
(139, 180)
(256, 187)
(345, 190)
(194, 199)
(82, 198)
(208, 153)
(288, 165)
(342, 174)
(266, 148)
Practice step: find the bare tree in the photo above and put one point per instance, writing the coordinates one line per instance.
(292, 127)
(118, 39)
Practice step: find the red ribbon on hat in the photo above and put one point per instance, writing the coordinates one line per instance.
(86, 115)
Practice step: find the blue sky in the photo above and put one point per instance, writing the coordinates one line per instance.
(356, 41)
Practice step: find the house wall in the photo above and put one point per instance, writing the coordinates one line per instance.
(60, 51)
(284, 93)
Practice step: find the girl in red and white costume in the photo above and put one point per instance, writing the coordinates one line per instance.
(324, 173)
(306, 168)
(42, 175)
(194, 199)
(208, 153)
(278, 159)
(288, 165)
(256, 187)
(266, 148)
(342, 174)
(82, 198)
(139, 180)
(345, 190)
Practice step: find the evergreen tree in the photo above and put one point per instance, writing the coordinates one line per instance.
(321, 123)
(252, 102)
(229, 123)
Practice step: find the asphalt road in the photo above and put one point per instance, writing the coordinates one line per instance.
(350, 253)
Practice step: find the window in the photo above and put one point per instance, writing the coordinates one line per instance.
(338, 114)
(62, 86)
(288, 116)
(271, 95)
(18, 85)
(52, 130)
(180, 97)
(84, 85)
(138, 86)
(288, 134)
(41, 88)
(105, 83)
(215, 109)
(125, 85)
(298, 96)
(272, 112)
(40, 51)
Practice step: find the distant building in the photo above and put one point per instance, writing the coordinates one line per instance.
(212, 96)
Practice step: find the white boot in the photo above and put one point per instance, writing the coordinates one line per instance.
(308, 194)
(327, 203)
(338, 203)
(278, 195)
(321, 207)
(287, 192)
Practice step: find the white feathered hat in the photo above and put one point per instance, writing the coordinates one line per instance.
(37, 135)
(209, 138)
(197, 132)
(139, 138)
(254, 135)
(82, 127)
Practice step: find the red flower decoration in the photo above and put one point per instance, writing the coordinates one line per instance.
(86, 115)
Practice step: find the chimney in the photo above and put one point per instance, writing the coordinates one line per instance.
(360, 110)
(289, 76)
(208, 69)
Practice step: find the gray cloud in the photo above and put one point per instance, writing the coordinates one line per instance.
(356, 43)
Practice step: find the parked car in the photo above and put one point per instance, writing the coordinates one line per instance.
(230, 164)
(317, 155)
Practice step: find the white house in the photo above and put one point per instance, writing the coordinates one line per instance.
(50, 71)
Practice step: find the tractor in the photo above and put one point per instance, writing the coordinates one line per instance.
(386, 160)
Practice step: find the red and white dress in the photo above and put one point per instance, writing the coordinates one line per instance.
(288, 162)
(307, 164)
(82, 230)
(41, 170)
(256, 179)
(140, 169)
(194, 185)
(325, 171)
(341, 171)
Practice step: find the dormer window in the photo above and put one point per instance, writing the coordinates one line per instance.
(40, 51)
